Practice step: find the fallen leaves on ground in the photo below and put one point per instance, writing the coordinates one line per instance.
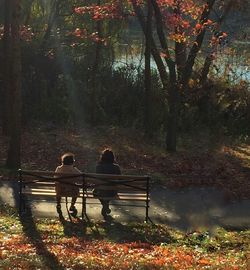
(42, 244)
(201, 163)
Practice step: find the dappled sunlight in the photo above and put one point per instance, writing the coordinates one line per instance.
(50, 244)
(161, 83)
(242, 152)
(5, 191)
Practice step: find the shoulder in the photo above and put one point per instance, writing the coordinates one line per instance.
(59, 168)
(116, 165)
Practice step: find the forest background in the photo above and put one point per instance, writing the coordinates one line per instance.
(166, 70)
(164, 83)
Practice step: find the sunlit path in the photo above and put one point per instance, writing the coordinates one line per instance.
(188, 209)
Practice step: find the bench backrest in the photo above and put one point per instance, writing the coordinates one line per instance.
(116, 182)
(45, 176)
(88, 180)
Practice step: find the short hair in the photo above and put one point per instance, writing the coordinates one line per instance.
(107, 156)
(68, 159)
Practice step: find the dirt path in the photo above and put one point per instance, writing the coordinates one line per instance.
(186, 209)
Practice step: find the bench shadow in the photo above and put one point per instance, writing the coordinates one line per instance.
(30, 230)
(73, 227)
(135, 232)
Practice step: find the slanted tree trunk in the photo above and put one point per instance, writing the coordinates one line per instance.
(13, 159)
(209, 59)
(196, 45)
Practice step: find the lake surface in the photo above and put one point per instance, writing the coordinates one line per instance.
(232, 68)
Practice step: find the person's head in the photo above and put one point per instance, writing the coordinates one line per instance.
(107, 156)
(68, 159)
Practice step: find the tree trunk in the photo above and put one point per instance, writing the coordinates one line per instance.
(154, 51)
(173, 89)
(205, 69)
(6, 69)
(172, 92)
(13, 159)
(54, 13)
(95, 72)
(147, 105)
(173, 111)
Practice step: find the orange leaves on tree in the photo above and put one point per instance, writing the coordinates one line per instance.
(218, 38)
(198, 26)
(181, 18)
(83, 34)
(110, 10)
(178, 37)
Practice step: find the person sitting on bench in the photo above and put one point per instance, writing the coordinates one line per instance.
(106, 165)
(68, 188)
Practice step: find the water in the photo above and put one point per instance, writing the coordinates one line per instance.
(233, 68)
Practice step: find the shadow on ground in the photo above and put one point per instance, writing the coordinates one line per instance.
(187, 209)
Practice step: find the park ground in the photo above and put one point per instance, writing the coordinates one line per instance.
(203, 159)
(39, 243)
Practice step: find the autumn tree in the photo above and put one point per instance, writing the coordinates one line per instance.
(181, 30)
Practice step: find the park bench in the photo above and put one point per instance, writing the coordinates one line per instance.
(132, 190)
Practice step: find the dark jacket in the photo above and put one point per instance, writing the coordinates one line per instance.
(106, 168)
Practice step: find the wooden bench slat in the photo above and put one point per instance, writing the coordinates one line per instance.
(115, 187)
(89, 195)
(120, 198)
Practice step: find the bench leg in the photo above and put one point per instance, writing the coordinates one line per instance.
(84, 214)
(22, 205)
(146, 217)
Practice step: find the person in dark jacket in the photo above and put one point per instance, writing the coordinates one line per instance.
(106, 165)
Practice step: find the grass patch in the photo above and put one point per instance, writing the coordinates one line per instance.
(29, 243)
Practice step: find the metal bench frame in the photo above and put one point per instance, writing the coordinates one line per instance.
(86, 185)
